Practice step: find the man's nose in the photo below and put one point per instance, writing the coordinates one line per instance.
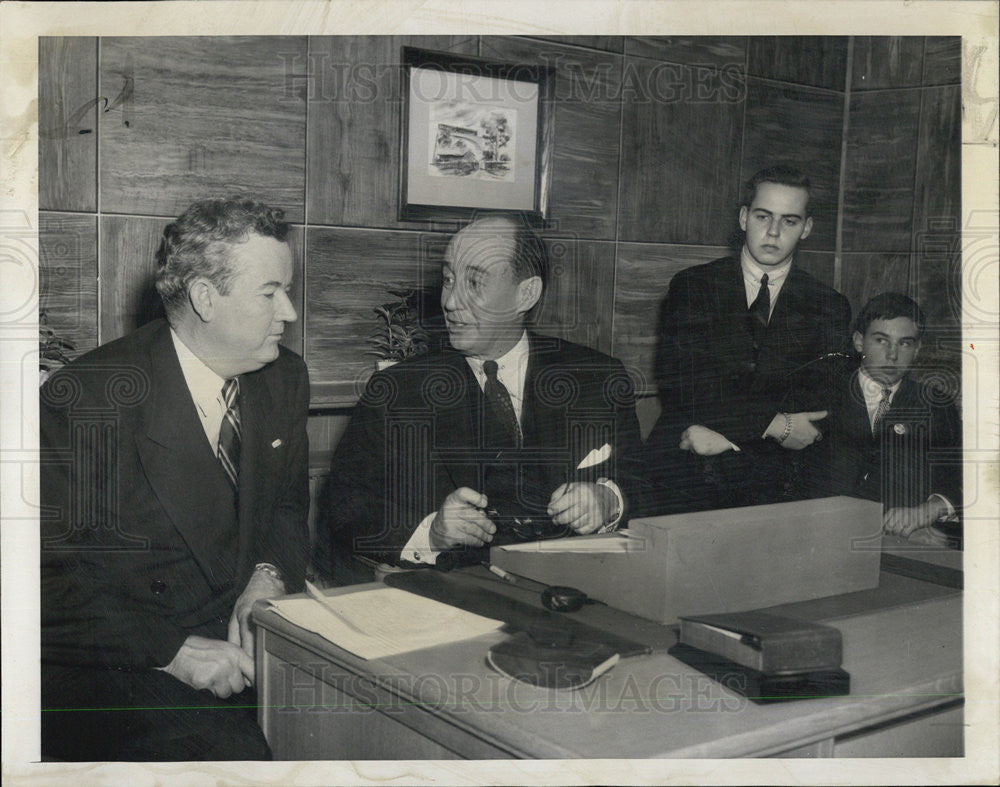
(285, 312)
(449, 299)
(773, 228)
(892, 351)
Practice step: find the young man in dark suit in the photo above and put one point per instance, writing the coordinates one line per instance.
(891, 437)
(505, 435)
(732, 333)
(174, 491)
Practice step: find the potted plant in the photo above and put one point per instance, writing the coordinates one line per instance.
(399, 335)
(53, 350)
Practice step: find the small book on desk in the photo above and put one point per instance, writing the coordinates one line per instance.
(763, 642)
(766, 658)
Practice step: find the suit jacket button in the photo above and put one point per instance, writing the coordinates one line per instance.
(158, 587)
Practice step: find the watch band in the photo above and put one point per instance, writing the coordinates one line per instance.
(271, 570)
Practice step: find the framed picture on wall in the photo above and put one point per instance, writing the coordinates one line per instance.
(476, 136)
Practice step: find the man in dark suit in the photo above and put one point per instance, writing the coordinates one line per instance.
(506, 435)
(732, 333)
(891, 437)
(174, 493)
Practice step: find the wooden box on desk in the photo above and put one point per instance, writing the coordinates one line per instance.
(715, 561)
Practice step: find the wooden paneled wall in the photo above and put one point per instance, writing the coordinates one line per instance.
(653, 139)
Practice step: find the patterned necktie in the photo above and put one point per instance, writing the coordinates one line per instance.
(229, 432)
(883, 407)
(499, 400)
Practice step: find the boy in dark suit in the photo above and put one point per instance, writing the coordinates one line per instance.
(732, 333)
(891, 437)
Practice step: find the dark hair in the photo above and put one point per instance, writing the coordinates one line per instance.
(889, 306)
(783, 176)
(529, 258)
(199, 242)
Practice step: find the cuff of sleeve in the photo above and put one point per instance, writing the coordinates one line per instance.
(951, 514)
(613, 524)
(418, 549)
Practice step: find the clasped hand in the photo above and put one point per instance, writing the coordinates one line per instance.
(225, 668)
(461, 520)
(703, 441)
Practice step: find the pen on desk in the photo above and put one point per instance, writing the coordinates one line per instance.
(503, 574)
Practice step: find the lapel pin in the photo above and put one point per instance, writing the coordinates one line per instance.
(899, 429)
(276, 443)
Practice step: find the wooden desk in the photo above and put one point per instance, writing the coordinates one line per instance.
(902, 647)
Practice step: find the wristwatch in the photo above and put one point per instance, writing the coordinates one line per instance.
(271, 570)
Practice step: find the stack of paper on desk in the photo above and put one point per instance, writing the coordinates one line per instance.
(373, 624)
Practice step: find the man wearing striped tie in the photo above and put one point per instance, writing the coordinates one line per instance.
(891, 436)
(175, 490)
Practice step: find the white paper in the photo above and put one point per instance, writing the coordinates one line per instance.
(393, 621)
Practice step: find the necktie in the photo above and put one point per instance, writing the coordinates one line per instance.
(229, 433)
(760, 309)
(499, 401)
(883, 407)
(758, 315)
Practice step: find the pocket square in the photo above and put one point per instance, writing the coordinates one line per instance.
(276, 443)
(595, 457)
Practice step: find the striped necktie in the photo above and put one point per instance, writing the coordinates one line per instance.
(882, 409)
(229, 432)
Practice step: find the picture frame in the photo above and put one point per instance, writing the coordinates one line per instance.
(475, 136)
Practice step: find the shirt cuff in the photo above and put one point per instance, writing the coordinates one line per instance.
(418, 549)
(613, 524)
(951, 515)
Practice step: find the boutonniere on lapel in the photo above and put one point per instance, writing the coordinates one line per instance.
(899, 429)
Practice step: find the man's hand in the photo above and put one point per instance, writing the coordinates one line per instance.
(585, 507)
(803, 433)
(703, 441)
(461, 521)
(221, 667)
(261, 585)
(905, 521)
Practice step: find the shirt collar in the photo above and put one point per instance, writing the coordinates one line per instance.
(515, 357)
(872, 388)
(753, 271)
(202, 382)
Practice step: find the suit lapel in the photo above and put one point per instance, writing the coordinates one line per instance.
(454, 425)
(257, 475)
(731, 299)
(177, 460)
(859, 423)
(787, 328)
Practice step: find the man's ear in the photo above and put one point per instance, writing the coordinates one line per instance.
(744, 212)
(529, 291)
(807, 229)
(859, 343)
(202, 295)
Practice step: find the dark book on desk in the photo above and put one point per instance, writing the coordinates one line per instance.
(763, 688)
(765, 643)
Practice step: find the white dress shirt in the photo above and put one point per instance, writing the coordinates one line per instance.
(752, 273)
(206, 390)
(873, 390)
